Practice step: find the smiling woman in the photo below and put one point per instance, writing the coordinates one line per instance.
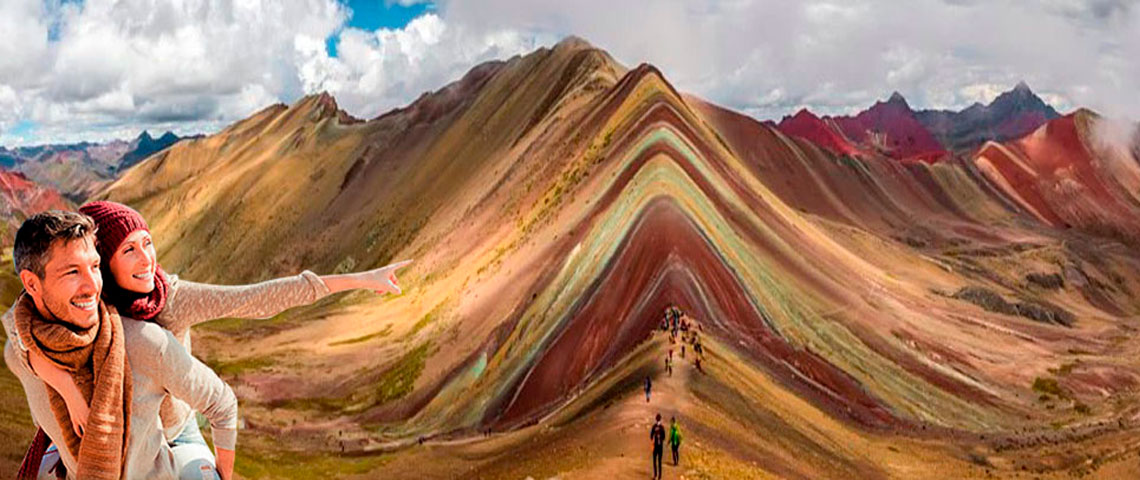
(133, 263)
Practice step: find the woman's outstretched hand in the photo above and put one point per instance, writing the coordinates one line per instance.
(381, 280)
(384, 278)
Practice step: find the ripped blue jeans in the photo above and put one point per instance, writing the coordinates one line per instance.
(192, 457)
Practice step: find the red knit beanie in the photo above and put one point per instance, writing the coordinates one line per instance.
(115, 221)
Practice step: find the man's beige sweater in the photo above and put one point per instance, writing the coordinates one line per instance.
(161, 362)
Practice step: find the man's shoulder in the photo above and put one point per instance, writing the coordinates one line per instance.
(9, 321)
(10, 358)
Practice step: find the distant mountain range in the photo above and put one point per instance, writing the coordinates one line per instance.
(80, 168)
(1009, 116)
(144, 146)
(892, 128)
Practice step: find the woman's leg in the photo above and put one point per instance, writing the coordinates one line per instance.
(51, 465)
(192, 457)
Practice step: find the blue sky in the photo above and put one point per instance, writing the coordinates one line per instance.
(373, 15)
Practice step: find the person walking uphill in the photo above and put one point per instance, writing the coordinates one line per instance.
(648, 387)
(657, 435)
(675, 441)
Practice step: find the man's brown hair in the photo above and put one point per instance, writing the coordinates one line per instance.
(38, 233)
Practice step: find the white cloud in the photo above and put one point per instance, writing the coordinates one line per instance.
(131, 64)
(134, 64)
(9, 107)
(23, 41)
(376, 71)
(840, 56)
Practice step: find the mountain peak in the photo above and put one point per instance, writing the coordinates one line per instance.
(325, 106)
(326, 98)
(804, 113)
(573, 42)
(1022, 98)
(1084, 113)
(897, 98)
(1012, 114)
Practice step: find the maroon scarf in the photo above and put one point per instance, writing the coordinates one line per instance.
(139, 306)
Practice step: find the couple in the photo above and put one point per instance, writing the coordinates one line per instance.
(99, 339)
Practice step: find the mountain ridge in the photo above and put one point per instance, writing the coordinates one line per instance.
(853, 307)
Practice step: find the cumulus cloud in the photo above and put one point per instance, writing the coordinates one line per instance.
(770, 57)
(101, 68)
(125, 65)
(377, 71)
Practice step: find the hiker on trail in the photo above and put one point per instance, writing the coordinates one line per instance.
(675, 440)
(669, 363)
(657, 436)
(137, 286)
(682, 350)
(648, 387)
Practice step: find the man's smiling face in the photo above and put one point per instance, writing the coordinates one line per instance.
(72, 282)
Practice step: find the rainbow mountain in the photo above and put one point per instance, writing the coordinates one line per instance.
(862, 316)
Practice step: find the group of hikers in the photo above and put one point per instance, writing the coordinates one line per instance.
(678, 324)
(99, 339)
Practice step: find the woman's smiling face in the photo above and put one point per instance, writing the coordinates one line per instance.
(133, 263)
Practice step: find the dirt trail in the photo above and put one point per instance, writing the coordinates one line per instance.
(669, 396)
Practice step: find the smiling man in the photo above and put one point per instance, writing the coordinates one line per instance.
(123, 367)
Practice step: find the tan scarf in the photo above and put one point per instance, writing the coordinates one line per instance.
(96, 358)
